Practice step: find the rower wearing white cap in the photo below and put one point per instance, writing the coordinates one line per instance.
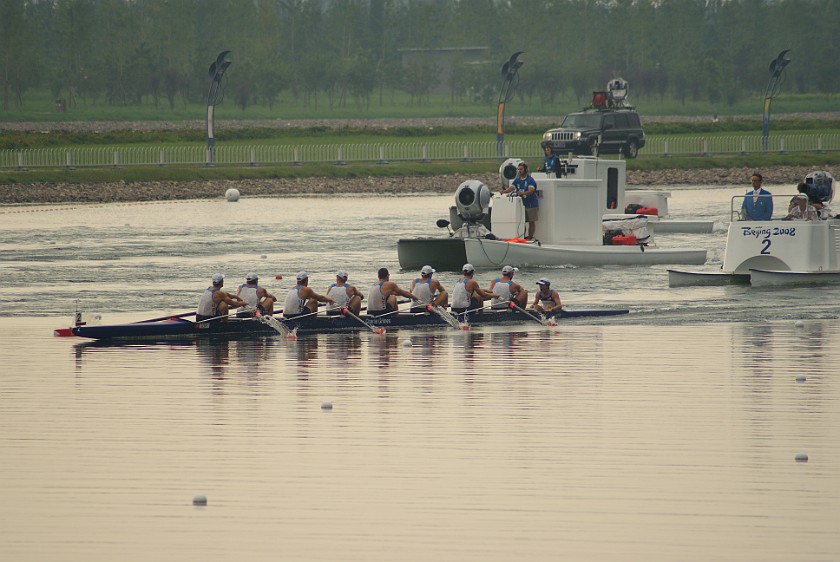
(302, 299)
(467, 295)
(216, 302)
(256, 296)
(508, 290)
(344, 295)
(382, 298)
(546, 299)
(428, 291)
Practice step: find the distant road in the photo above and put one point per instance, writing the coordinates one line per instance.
(221, 124)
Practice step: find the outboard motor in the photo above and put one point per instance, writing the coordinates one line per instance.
(820, 186)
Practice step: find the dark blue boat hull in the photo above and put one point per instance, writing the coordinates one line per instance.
(238, 327)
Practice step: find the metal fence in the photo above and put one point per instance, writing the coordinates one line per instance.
(240, 155)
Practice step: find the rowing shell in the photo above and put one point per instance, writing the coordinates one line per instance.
(179, 329)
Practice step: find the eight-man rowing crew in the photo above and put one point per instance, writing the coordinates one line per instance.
(341, 297)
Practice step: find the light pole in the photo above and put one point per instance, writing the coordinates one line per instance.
(510, 79)
(217, 70)
(777, 67)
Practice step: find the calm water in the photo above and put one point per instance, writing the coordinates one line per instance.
(669, 434)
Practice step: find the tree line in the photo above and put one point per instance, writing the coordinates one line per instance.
(347, 53)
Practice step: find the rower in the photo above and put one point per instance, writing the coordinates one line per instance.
(428, 291)
(215, 302)
(508, 290)
(345, 296)
(467, 294)
(546, 299)
(382, 298)
(301, 299)
(256, 296)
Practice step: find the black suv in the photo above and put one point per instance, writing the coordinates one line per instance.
(598, 131)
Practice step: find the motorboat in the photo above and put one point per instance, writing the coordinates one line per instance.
(777, 252)
(580, 224)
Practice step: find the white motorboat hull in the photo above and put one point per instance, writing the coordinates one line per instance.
(768, 278)
(678, 278)
(494, 253)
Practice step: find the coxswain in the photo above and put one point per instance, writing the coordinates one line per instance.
(215, 302)
(382, 297)
(467, 295)
(428, 291)
(546, 299)
(508, 290)
(302, 299)
(345, 296)
(257, 297)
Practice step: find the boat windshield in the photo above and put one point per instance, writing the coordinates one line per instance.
(582, 121)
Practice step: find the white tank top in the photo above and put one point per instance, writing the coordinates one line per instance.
(376, 300)
(423, 291)
(249, 294)
(206, 304)
(502, 288)
(460, 296)
(339, 295)
(294, 304)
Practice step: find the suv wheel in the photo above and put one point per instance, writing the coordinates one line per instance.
(631, 150)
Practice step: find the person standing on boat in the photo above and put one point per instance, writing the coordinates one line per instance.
(345, 296)
(526, 187)
(382, 298)
(302, 299)
(552, 162)
(758, 203)
(547, 299)
(467, 294)
(428, 291)
(216, 302)
(508, 290)
(256, 296)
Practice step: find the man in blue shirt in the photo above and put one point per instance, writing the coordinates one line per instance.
(758, 204)
(524, 186)
(552, 162)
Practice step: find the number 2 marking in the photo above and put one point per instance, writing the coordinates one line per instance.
(766, 249)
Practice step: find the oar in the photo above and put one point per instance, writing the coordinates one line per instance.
(184, 315)
(446, 317)
(542, 321)
(346, 312)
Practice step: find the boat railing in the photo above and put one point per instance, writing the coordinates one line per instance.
(737, 201)
(382, 153)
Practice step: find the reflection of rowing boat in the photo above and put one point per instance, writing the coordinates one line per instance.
(178, 328)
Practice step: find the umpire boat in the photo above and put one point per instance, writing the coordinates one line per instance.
(777, 252)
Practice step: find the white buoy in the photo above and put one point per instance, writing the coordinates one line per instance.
(801, 457)
(407, 343)
(326, 406)
(800, 378)
(799, 323)
(200, 499)
(232, 195)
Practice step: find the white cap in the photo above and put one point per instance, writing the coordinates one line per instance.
(427, 270)
(468, 268)
(507, 270)
(302, 275)
(342, 274)
(543, 281)
(251, 276)
(217, 278)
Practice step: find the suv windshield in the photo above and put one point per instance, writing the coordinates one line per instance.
(582, 121)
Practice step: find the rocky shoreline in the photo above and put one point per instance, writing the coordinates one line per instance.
(445, 184)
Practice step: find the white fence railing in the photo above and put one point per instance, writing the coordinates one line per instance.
(242, 155)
